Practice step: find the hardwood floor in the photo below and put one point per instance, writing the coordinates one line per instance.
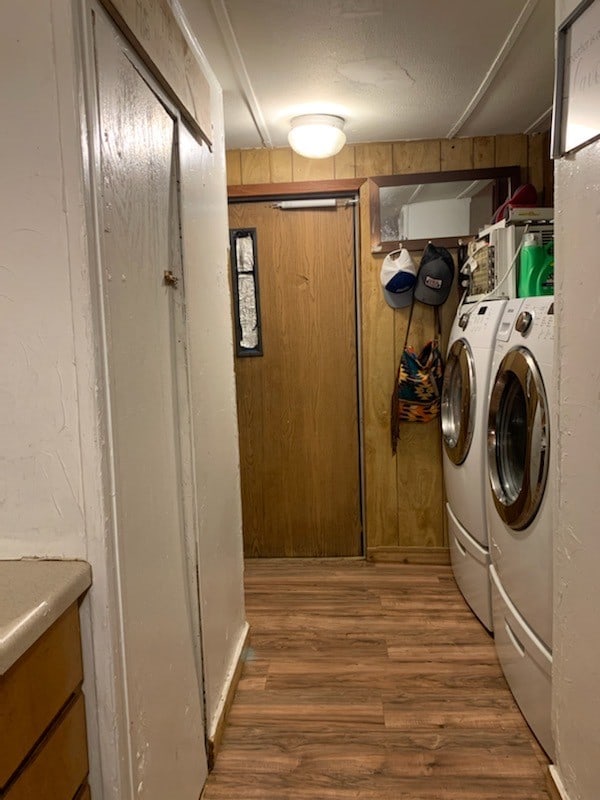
(370, 681)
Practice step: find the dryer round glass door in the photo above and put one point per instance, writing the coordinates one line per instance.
(518, 439)
(458, 401)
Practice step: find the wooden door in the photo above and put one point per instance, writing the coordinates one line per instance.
(297, 403)
(140, 241)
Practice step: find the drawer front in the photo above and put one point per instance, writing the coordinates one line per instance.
(59, 765)
(470, 564)
(526, 664)
(36, 687)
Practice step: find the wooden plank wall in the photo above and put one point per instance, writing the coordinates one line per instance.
(404, 496)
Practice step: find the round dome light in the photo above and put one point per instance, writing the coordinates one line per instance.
(317, 135)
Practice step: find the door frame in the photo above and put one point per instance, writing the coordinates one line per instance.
(341, 189)
(111, 764)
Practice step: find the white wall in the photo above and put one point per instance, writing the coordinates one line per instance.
(434, 218)
(576, 669)
(206, 266)
(41, 494)
(52, 475)
(50, 464)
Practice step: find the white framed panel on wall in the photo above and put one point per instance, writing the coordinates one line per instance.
(577, 83)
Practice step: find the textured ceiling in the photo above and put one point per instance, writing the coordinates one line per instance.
(394, 69)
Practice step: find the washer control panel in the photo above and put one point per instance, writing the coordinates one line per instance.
(480, 322)
(507, 323)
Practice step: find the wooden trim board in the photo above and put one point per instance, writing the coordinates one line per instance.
(214, 737)
(556, 790)
(410, 555)
(268, 190)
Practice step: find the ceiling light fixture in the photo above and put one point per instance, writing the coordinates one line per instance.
(317, 135)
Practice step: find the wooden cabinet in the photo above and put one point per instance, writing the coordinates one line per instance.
(43, 750)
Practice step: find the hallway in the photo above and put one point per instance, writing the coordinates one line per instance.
(370, 681)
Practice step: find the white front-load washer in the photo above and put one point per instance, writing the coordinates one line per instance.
(464, 421)
(519, 505)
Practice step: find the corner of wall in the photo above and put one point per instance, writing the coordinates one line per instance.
(211, 360)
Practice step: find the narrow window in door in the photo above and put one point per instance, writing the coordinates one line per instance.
(246, 306)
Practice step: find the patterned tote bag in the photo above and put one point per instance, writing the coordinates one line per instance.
(418, 385)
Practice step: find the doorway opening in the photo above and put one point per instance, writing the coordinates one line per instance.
(299, 410)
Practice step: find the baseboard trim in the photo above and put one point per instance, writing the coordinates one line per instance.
(555, 784)
(410, 555)
(215, 735)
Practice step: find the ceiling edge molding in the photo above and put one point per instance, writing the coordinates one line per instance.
(239, 68)
(544, 115)
(501, 57)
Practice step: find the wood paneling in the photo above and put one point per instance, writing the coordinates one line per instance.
(419, 479)
(373, 159)
(312, 169)
(378, 372)
(541, 172)
(34, 690)
(344, 163)
(256, 167)
(297, 404)
(152, 27)
(484, 152)
(371, 681)
(512, 150)
(419, 156)
(536, 163)
(234, 167)
(457, 154)
(420, 487)
(404, 496)
(281, 165)
(410, 555)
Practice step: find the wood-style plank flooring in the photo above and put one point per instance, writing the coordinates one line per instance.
(370, 681)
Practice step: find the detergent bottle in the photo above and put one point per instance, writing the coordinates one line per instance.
(536, 267)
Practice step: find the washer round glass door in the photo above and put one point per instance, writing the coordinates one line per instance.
(458, 401)
(518, 439)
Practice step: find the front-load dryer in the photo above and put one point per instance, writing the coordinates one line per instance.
(519, 505)
(464, 418)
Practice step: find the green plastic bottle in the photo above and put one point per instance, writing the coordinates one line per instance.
(536, 267)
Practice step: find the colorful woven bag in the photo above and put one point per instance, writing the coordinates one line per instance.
(418, 385)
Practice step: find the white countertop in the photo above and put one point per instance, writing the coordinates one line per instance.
(33, 595)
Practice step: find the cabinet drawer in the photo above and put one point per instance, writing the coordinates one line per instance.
(59, 765)
(35, 688)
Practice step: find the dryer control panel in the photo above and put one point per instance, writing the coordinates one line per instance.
(536, 318)
(524, 321)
